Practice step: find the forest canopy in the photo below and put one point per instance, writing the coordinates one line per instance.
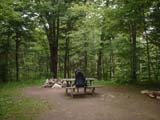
(114, 40)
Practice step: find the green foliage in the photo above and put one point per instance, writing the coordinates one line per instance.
(91, 28)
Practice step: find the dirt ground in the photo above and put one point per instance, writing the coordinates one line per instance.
(109, 103)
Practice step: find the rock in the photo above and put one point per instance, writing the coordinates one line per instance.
(144, 91)
(151, 94)
(54, 83)
(158, 97)
(46, 81)
(56, 86)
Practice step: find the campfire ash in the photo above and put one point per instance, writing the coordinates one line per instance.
(54, 83)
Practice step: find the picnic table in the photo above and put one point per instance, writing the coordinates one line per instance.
(69, 86)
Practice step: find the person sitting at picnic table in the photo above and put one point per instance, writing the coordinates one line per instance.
(80, 80)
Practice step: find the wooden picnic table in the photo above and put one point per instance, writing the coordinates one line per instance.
(70, 81)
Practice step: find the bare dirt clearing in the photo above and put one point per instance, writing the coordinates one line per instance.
(110, 103)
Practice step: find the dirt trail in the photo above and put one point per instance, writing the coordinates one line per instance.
(110, 103)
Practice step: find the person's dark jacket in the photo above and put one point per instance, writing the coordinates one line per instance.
(80, 80)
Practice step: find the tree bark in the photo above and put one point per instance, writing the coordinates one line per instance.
(110, 59)
(66, 55)
(148, 50)
(17, 41)
(134, 56)
(99, 64)
(53, 58)
(113, 64)
(53, 36)
(85, 55)
(158, 64)
(66, 58)
(85, 62)
(100, 56)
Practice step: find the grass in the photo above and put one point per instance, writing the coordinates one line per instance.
(14, 105)
(142, 85)
(104, 83)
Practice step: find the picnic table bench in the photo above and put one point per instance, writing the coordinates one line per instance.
(70, 89)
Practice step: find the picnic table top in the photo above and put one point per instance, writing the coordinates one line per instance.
(73, 79)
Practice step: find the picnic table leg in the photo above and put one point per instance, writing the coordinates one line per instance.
(72, 90)
(77, 89)
(93, 90)
(85, 90)
(67, 84)
(66, 90)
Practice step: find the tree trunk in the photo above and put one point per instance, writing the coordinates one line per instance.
(54, 59)
(85, 62)
(148, 51)
(100, 56)
(17, 41)
(103, 70)
(68, 62)
(7, 59)
(66, 58)
(85, 55)
(53, 36)
(134, 56)
(99, 64)
(113, 65)
(66, 55)
(110, 68)
(110, 60)
(100, 51)
(158, 64)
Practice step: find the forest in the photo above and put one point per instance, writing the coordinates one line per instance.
(113, 44)
(112, 40)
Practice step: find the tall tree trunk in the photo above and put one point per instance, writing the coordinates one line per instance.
(113, 65)
(157, 73)
(103, 70)
(110, 60)
(66, 55)
(54, 59)
(66, 58)
(158, 64)
(100, 51)
(53, 36)
(7, 59)
(100, 57)
(68, 62)
(51, 23)
(47, 66)
(110, 68)
(85, 62)
(99, 64)
(85, 55)
(148, 50)
(148, 58)
(17, 41)
(134, 56)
